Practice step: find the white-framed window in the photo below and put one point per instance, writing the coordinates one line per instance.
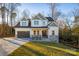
(44, 23)
(36, 22)
(53, 32)
(23, 23)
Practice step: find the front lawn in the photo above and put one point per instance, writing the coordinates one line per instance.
(43, 49)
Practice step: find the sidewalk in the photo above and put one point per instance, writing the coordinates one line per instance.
(8, 45)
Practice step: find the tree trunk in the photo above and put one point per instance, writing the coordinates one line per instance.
(3, 19)
(11, 18)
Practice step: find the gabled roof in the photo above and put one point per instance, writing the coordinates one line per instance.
(23, 19)
(18, 24)
(39, 16)
(42, 17)
(52, 24)
(29, 26)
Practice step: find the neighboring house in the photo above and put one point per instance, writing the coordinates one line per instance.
(76, 21)
(37, 28)
(75, 28)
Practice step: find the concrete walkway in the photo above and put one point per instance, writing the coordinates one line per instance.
(8, 45)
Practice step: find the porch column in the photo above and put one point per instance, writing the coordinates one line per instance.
(15, 33)
(31, 32)
(48, 33)
(41, 32)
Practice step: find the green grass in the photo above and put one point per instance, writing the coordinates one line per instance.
(43, 49)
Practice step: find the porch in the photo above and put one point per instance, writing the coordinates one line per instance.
(39, 32)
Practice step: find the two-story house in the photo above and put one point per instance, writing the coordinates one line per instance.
(40, 27)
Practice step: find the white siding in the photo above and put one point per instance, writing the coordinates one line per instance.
(22, 29)
(46, 22)
(53, 28)
(55, 37)
(40, 23)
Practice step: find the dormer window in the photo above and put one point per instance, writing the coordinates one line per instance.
(24, 23)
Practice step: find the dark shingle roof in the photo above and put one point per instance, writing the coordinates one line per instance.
(29, 26)
(39, 16)
(50, 18)
(18, 26)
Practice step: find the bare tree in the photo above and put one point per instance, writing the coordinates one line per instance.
(75, 12)
(2, 9)
(68, 22)
(54, 12)
(12, 8)
(26, 13)
(6, 12)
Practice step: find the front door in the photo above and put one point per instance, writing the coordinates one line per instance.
(44, 33)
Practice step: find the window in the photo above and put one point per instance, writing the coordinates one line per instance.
(53, 32)
(36, 22)
(43, 22)
(24, 23)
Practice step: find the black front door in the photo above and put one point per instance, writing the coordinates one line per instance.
(44, 33)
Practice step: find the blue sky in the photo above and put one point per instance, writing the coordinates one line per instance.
(35, 8)
(44, 8)
(67, 8)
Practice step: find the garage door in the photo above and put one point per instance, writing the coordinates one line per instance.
(23, 34)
